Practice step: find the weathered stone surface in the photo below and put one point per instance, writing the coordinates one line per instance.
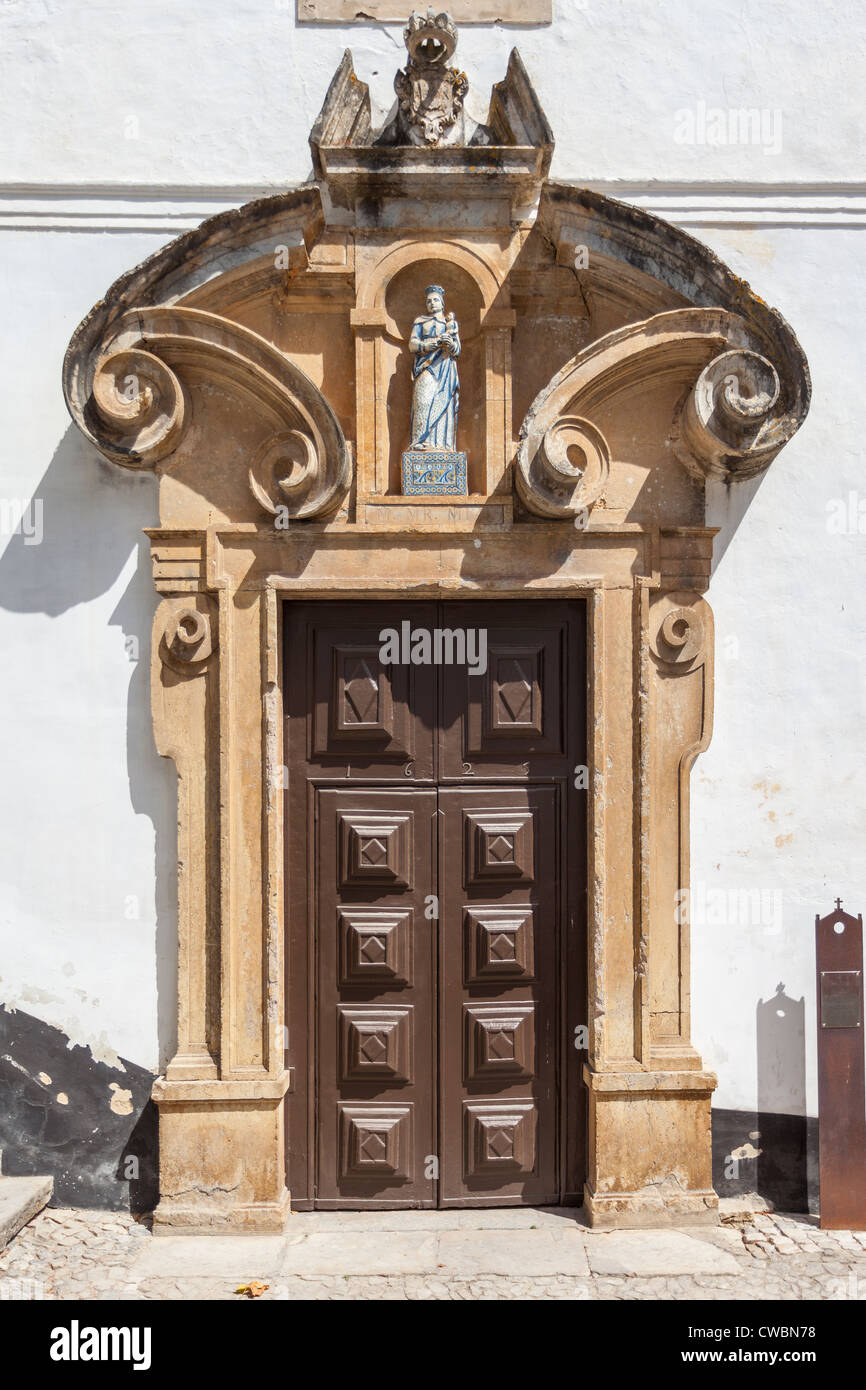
(645, 1253)
(347, 1252)
(392, 12)
(533, 1253)
(176, 1257)
(20, 1200)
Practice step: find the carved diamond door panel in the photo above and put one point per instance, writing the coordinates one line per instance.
(376, 1036)
(516, 719)
(361, 717)
(499, 923)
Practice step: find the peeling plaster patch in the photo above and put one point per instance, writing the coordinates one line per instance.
(121, 1101)
(748, 245)
(62, 1098)
(100, 1049)
(767, 789)
(778, 1159)
(783, 840)
(746, 1150)
(31, 995)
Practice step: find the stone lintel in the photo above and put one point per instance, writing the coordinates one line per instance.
(520, 12)
(353, 173)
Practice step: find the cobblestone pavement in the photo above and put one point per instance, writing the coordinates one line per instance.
(73, 1254)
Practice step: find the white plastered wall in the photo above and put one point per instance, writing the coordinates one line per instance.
(123, 126)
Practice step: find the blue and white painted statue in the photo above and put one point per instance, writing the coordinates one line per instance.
(435, 344)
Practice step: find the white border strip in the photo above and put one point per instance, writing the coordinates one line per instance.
(160, 211)
(768, 205)
(171, 211)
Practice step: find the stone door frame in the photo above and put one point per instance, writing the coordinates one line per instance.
(217, 701)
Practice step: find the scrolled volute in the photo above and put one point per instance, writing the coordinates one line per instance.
(566, 471)
(727, 424)
(679, 633)
(130, 399)
(188, 639)
(137, 405)
(284, 473)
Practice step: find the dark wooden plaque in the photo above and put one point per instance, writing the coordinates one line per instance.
(841, 1088)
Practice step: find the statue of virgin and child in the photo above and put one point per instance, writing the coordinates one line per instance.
(435, 347)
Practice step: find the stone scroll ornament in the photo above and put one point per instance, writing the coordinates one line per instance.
(188, 640)
(429, 93)
(131, 399)
(725, 425)
(431, 464)
(730, 424)
(679, 625)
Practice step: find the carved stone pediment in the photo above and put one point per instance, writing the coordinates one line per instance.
(609, 366)
(429, 137)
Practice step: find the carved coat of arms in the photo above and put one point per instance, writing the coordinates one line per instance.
(429, 93)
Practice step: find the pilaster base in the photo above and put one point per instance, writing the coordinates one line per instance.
(221, 1156)
(650, 1152)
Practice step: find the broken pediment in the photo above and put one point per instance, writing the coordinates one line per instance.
(430, 136)
(609, 363)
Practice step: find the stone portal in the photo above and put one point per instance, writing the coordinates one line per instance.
(609, 365)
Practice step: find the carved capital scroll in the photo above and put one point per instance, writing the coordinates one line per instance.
(189, 637)
(678, 631)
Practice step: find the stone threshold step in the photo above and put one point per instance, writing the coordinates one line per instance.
(20, 1200)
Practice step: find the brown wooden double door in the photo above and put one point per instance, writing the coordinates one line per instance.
(436, 901)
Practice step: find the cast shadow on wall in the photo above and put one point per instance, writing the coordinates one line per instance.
(91, 515)
(727, 504)
(772, 1151)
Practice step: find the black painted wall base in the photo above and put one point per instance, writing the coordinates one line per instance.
(99, 1158)
(96, 1156)
(773, 1155)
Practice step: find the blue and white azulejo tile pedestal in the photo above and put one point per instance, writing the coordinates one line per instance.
(433, 473)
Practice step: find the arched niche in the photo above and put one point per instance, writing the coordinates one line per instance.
(404, 301)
